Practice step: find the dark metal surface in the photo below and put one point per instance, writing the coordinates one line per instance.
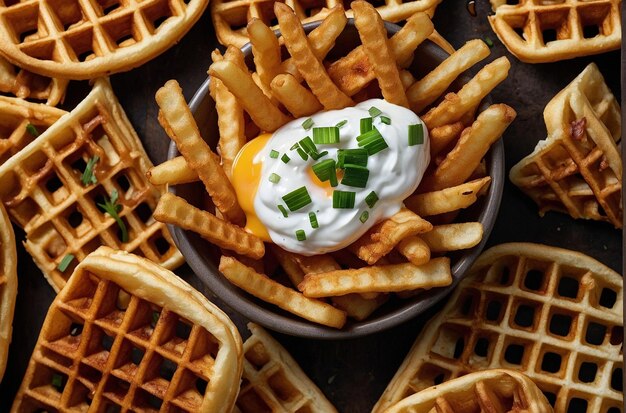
(352, 373)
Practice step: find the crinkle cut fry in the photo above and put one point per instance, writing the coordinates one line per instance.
(174, 171)
(172, 209)
(448, 199)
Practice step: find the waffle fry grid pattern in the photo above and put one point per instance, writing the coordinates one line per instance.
(547, 31)
(43, 192)
(27, 85)
(557, 322)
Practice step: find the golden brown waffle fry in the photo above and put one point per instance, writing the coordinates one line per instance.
(578, 169)
(552, 314)
(85, 40)
(15, 117)
(27, 85)
(448, 199)
(126, 333)
(178, 121)
(43, 191)
(298, 100)
(375, 45)
(382, 237)
(172, 172)
(387, 278)
(538, 32)
(8, 285)
(486, 391)
(286, 298)
(172, 209)
(309, 65)
(453, 237)
(273, 381)
(415, 249)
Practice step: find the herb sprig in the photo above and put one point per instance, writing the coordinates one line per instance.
(88, 177)
(112, 208)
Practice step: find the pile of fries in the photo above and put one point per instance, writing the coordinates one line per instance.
(402, 254)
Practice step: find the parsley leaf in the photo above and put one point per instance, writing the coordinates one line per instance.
(112, 208)
(88, 176)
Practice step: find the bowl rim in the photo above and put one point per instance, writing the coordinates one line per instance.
(207, 272)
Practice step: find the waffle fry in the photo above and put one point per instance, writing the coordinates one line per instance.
(577, 169)
(163, 346)
(553, 314)
(290, 300)
(486, 391)
(273, 381)
(172, 172)
(8, 286)
(447, 200)
(551, 31)
(453, 237)
(73, 40)
(43, 191)
(389, 278)
(27, 85)
(175, 210)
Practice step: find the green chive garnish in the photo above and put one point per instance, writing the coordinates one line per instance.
(313, 220)
(343, 199)
(155, 318)
(285, 158)
(283, 210)
(326, 171)
(57, 382)
(351, 156)
(364, 216)
(371, 199)
(274, 154)
(112, 208)
(65, 262)
(374, 111)
(297, 199)
(355, 176)
(416, 134)
(488, 41)
(386, 120)
(326, 135)
(309, 147)
(32, 129)
(302, 154)
(274, 178)
(307, 124)
(88, 176)
(372, 141)
(342, 123)
(300, 235)
(366, 125)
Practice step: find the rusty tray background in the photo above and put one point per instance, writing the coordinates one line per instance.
(352, 373)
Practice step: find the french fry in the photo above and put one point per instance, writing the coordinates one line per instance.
(353, 72)
(447, 199)
(440, 41)
(298, 100)
(415, 249)
(240, 83)
(309, 65)
(288, 261)
(178, 121)
(406, 78)
(453, 237)
(385, 235)
(376, 46)
(260, 286)
(266, 51)
(455, 105)
(172, 172)
(388, 278)
(442, 136)
(172, 209)
(470, 149)
(426, 90)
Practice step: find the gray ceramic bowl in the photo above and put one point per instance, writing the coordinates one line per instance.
(202, 260)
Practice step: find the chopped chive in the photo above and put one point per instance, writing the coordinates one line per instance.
(374, 111)
(386, 120)
(326, 171)
(371, 199)
(307, 124)
(342, 123)
(372, 141)
(488, 41)
(65, 262)
(88, 176)
(32, 129)
(326, 135)
(302, 154)
(274, 154)
(297, 198)
(285, 158)
(364, 216)
(283, 210)
(57, 382)
(355, 176)
(112, 208)
(343, 199)
(351, 156)
(309, 147)
(300, 235)
(416, 134)
(294, 146)
(313, 220)
(366, 125)
(274, 178)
